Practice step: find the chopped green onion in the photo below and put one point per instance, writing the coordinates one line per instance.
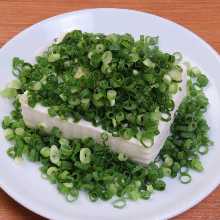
(51, 171)
(119, 203)
(114, 122)
(175, 75)
(93, 196)
(53, 57)
(71, 198)
(45, 152)
(202, 80)
(145, 194)
(90, 54)
(155, 116)
(122, 157)
(134, 195)
(185, 178)
(111, 95)
(147, 142)
(68, 185)
(11, 152)
(194, 71)
(85, 103)
(197, 165)
(7, 121)
(9, 93)
(85, 155)
(173, 88)
(147, 62)
(107, 57)
(55, 155)
(64, 142)
(19, 131)
(166, 116)
(127, 133)
(178, 56)
(159, 185)
(168, 161)
(135, 72)
(134, 57)
(15, 84)
(125, 90)
(100, 48)
(203, 150)
(79, 73)
(119, 117)
(41, 126)
(104, 136)
(43, 176)
(9, 134)
(37, 86)
(150, 188)
(166, 171)
(167, 79)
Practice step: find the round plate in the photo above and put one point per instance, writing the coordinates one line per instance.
(23, 182)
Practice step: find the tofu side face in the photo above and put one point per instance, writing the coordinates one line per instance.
(82, 129)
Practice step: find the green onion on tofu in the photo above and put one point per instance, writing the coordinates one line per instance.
(123, 85)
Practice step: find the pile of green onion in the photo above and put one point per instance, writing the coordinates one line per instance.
(124, 85)
(118, 80)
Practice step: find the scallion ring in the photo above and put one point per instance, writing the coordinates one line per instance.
(203, 150)
(185, 178)
(147, 142)
(85, 155)
(51, 171)
(122, 157)
(55, 155)
(165, 116)
(178, 56)
(119, 203)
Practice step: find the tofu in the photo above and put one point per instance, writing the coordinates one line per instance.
(82, 129)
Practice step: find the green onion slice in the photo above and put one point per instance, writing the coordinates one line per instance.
(19, 131)
(165, 116)
(147, 142)
(45, 152)
(85, 155)
(119, 203)
(185, 178)
(122, 157)
(15, 84)
(9, 93)
(173, 88)
(53, 57)
(51, 171)
(167, 78)
(9, 134)
(203, 150)
(100, 48)
(55, 155)
(147, 62)
(107, 57)
(178, 56)
(104, 136)
(175, 75)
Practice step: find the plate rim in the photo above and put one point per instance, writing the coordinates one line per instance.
(45, 213)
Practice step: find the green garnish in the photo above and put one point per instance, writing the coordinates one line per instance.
(125, 86)
(114, 76)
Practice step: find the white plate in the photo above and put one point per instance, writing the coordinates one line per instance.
(23, 181)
